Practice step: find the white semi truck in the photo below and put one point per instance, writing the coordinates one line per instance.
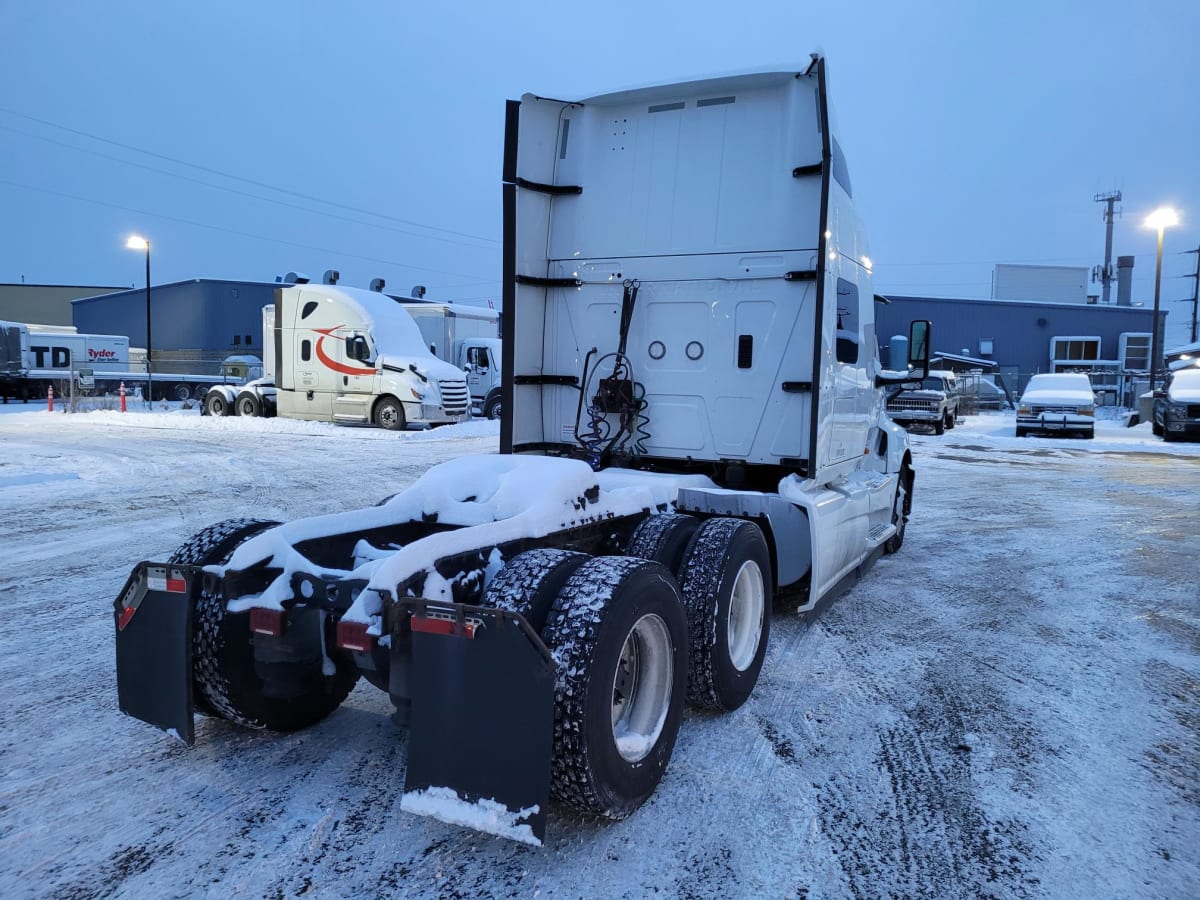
(340, 354)
(693, 427)
(468, 337)
(34, 358)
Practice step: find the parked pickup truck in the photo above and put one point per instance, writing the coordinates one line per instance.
(1059, 402)
(934, 403)
(1177, 405)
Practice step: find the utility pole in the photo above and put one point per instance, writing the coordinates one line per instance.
(1105, 275)
(1195, 292)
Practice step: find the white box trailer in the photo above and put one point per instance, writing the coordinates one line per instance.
(34, 358)
(469, 338)
(693, 424)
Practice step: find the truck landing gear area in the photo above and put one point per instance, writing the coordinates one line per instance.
(673, 456)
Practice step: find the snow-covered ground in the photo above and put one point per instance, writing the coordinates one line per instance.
(1008, 707)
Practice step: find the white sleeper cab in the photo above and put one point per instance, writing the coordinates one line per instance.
(339, 354)
(692, 434)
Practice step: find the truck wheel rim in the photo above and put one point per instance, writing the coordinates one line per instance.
(387, 416)
(746, 607)
(641, 694)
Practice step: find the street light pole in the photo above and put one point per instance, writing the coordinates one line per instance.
(1195, 293)
(137, 242)
(1160, 219)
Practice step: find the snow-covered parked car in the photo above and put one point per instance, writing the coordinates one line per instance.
(1062, 402)
(1177, 405)
(934, 403)
(988, 394)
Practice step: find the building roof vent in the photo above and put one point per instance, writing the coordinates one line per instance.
(331, 276)
(295, 278)
(377, 285)
(418, 291)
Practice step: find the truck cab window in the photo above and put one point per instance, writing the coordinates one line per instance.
(309, 308)
(306, 350)
(847, 322)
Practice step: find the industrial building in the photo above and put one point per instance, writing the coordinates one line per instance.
(195, 324)
(44, 304)
(1109, 342)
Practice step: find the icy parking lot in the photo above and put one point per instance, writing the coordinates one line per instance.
(1008, 707)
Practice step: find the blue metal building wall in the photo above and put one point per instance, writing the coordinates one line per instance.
(1020, 330)
(201, 315)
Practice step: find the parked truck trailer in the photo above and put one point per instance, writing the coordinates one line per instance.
(469, 338)
(693, 427)
(34, 358)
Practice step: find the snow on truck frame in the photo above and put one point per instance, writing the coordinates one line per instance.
(693, 423)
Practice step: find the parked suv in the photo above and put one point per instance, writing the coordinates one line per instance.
(1177, 405)
(1061, 402)
(934, 403)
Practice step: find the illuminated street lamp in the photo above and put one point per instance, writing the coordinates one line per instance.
(1161, 219)
(137, 242)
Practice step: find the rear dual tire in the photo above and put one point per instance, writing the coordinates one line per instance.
(618, 635)
(217, 404)
(725, 579)
(248, 404)
(631, 645)
(617, 631)
(225, 680)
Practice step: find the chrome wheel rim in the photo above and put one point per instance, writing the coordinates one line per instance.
(747, 605)
(641, 692)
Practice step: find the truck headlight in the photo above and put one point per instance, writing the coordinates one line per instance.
(417, 395)
(1086, 411)
(1024, 410)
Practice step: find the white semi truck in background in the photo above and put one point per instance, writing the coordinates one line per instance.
(693, 427)
(34, 358)
(341, 354)
(468, 337)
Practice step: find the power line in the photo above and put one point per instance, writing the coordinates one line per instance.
(143, 212)
(261, 184)
(233, 190)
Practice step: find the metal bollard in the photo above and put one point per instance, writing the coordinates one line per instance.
(122, 396)
(50, 398)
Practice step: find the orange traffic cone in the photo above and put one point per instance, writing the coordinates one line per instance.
(122, 396)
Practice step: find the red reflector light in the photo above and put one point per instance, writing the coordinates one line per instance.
(126, 615)
(176, 585)
(353, 636)
(266, 621)
(442, 626)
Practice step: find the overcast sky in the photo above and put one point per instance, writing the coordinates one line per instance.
(250, 139)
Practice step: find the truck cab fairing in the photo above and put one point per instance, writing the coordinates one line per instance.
(731, 222)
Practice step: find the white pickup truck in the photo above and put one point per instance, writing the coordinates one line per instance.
(1057, 403)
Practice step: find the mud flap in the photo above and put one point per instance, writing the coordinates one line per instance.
(153, 616)
(482, 719)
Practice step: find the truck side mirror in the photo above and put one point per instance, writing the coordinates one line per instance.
(918, 348)
(356, 348)
(918, 358)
